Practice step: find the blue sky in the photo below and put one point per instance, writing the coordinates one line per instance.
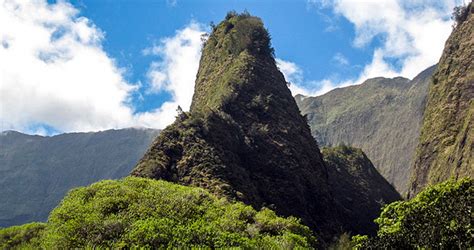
(88, 65)
(300, 33)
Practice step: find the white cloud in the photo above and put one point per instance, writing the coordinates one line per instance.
(293, 75)
(298, 85)
(53, 71)
(55, 74)
(291, 71)
(175, 73)
(413, 33)
(340, 59)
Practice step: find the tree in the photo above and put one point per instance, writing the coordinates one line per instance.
(181, 114)
(460, 14)
(438, 217)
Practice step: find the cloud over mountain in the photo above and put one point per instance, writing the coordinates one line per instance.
(56, 74)
(175, 73)
(408, 35)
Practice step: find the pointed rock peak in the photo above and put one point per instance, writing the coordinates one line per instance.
(244, 137)
(236, 54)
(239, 33)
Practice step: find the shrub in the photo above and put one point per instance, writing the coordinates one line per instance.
(438, 217)
(342, 242)
(460, 14)
(24, 236)
(149, 213)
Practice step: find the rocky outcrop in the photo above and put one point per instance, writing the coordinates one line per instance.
(446, 146)
(244, 137)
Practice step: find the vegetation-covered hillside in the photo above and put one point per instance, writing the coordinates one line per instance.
(350, 173)
(36, 172)
(141, 212)
(446, 146)
(26, 236)
(381, 116)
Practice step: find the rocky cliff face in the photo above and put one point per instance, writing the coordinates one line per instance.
(381, 116)
(446, 146)
(36, 172)
(244, 137)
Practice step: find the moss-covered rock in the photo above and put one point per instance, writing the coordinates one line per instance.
(244, 137)
(446, 146)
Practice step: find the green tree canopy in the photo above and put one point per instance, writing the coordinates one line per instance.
(146, 213)
(441, 216)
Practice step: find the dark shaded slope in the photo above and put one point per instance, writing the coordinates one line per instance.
(446, 146)
(244, 136)
(36, 172)
(381, 116)
(357, 186)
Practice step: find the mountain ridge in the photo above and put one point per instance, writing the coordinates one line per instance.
(37, 171)
(382, 116)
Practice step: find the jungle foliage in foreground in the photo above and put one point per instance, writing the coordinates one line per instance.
(24, 236)
(439, 217)
(149, 213)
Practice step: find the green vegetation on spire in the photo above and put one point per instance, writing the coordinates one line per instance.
(228, 58)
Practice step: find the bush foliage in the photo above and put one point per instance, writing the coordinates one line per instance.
(439, 217)
(24, 236)
(460, 14)
(141, 212)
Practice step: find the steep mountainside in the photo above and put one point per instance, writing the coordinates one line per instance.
(446, 147)
(351, 172)
(36, 172)
(244, 137)
(381, 116)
